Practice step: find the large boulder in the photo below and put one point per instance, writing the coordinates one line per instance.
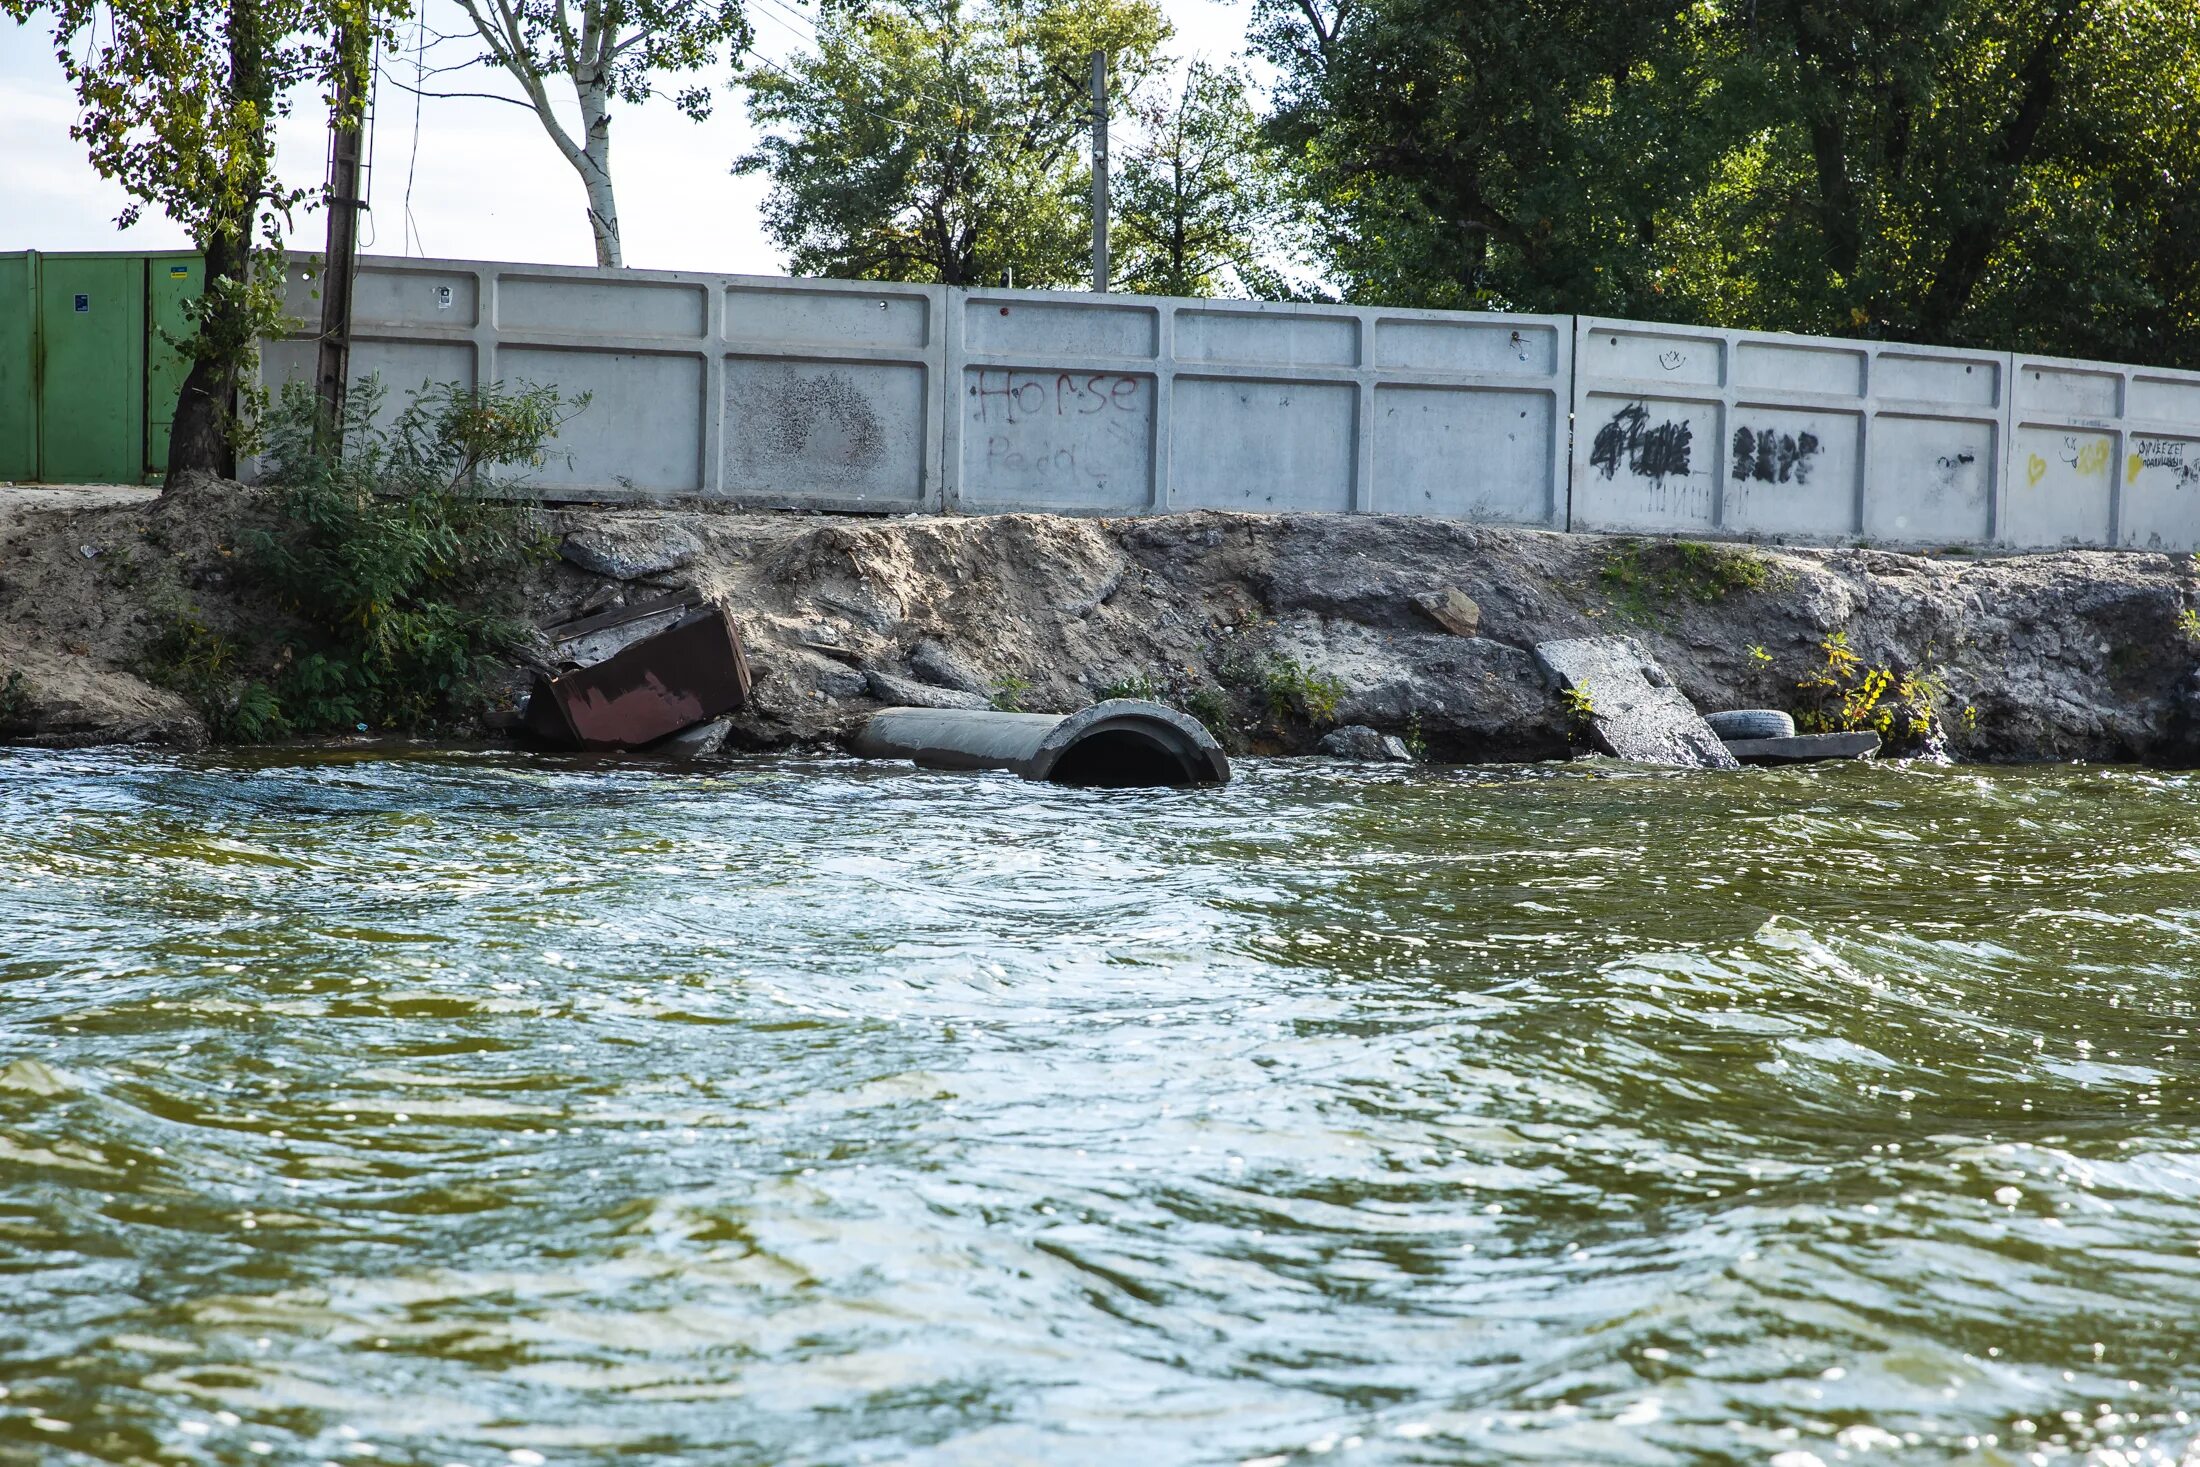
(1630, 706)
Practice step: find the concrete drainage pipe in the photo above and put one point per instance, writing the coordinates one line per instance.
(1119, 744)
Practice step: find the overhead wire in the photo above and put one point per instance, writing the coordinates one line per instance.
(412, 165)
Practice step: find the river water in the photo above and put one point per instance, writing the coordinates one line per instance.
(460, 1108)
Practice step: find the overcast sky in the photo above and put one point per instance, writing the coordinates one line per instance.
(485, 183)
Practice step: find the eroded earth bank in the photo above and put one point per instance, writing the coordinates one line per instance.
(1275, 629)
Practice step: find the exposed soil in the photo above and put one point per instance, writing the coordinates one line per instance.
(1283, 624)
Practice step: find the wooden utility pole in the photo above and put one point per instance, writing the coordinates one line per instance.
(1100, 171)
(339, 265)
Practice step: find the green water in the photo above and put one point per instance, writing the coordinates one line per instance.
(465, 1109)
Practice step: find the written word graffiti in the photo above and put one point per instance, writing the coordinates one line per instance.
(2162, 453)
(1010, 397)
(1070, 432)
(1647, 450)
(1774, 458)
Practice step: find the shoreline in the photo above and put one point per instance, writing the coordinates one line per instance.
(1276, 628)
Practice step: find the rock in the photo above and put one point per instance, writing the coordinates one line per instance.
(903, 693)
(1368, 746)
(1805, 748)
(627, 550)
(1472, 699)
(1452, 609)
(942, 668)
(700, 742)
(843, 682)
(1635, 712)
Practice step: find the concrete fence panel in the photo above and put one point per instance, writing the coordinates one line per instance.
(2103, 454)
(1129, 404)
(841, 395)
(756, 390)
(1685, 430)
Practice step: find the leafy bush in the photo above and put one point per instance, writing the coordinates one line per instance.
(398, 564)
(1296, 689)
(15, 698)
(1211, 706)
(1903, 708)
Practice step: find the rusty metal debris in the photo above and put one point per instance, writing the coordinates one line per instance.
(671, 677)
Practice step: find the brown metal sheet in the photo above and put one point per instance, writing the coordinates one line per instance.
(692, 671)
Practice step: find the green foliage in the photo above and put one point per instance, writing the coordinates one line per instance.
(206, 667)
(938, 140)
(1416, 743)
(1580, 705)
(1138, 686)
(1642, 576)
(2014, 174)
(2188, 625)
(177, 104)
(607, 52)
(1198, 195)
(15, 698)
(1294, 690)
(1846, 695)
(1009, 693)
(1211, 706)
(398, 568)
(1758, 656)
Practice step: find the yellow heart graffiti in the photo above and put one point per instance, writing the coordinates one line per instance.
(2035, 468)
(2132, 466)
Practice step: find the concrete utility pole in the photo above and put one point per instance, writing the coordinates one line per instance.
(347, 121)
(1100, 171)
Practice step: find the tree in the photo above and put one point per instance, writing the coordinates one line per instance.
(1198, 202)
(178, 106)
(2010, 173)
(938, 140)
(1508, 156)
(613, 54)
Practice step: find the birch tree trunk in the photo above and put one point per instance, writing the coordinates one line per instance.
(593, 163)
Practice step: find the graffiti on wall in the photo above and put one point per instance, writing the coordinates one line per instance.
(1771, 457)
(1077, 431)
(2163, 453)
(1656, 451)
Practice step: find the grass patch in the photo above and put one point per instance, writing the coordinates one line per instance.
(1642, 577)
(1138, 686)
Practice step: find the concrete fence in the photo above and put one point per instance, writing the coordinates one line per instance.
(836, 395)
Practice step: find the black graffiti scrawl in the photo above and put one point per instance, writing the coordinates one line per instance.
(1649, 452)
(1774, 458)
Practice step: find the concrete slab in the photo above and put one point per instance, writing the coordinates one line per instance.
(1805, 748)
(1636, 712)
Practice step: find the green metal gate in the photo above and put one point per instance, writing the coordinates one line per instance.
(88, 383)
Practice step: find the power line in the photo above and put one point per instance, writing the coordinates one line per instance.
(412, 166)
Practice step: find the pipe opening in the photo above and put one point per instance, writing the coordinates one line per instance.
(1123, 758)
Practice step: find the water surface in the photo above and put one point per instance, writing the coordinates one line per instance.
(461, 1108)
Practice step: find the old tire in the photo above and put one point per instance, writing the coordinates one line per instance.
(1751, 723)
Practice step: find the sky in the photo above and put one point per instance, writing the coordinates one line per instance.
(466, 179)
